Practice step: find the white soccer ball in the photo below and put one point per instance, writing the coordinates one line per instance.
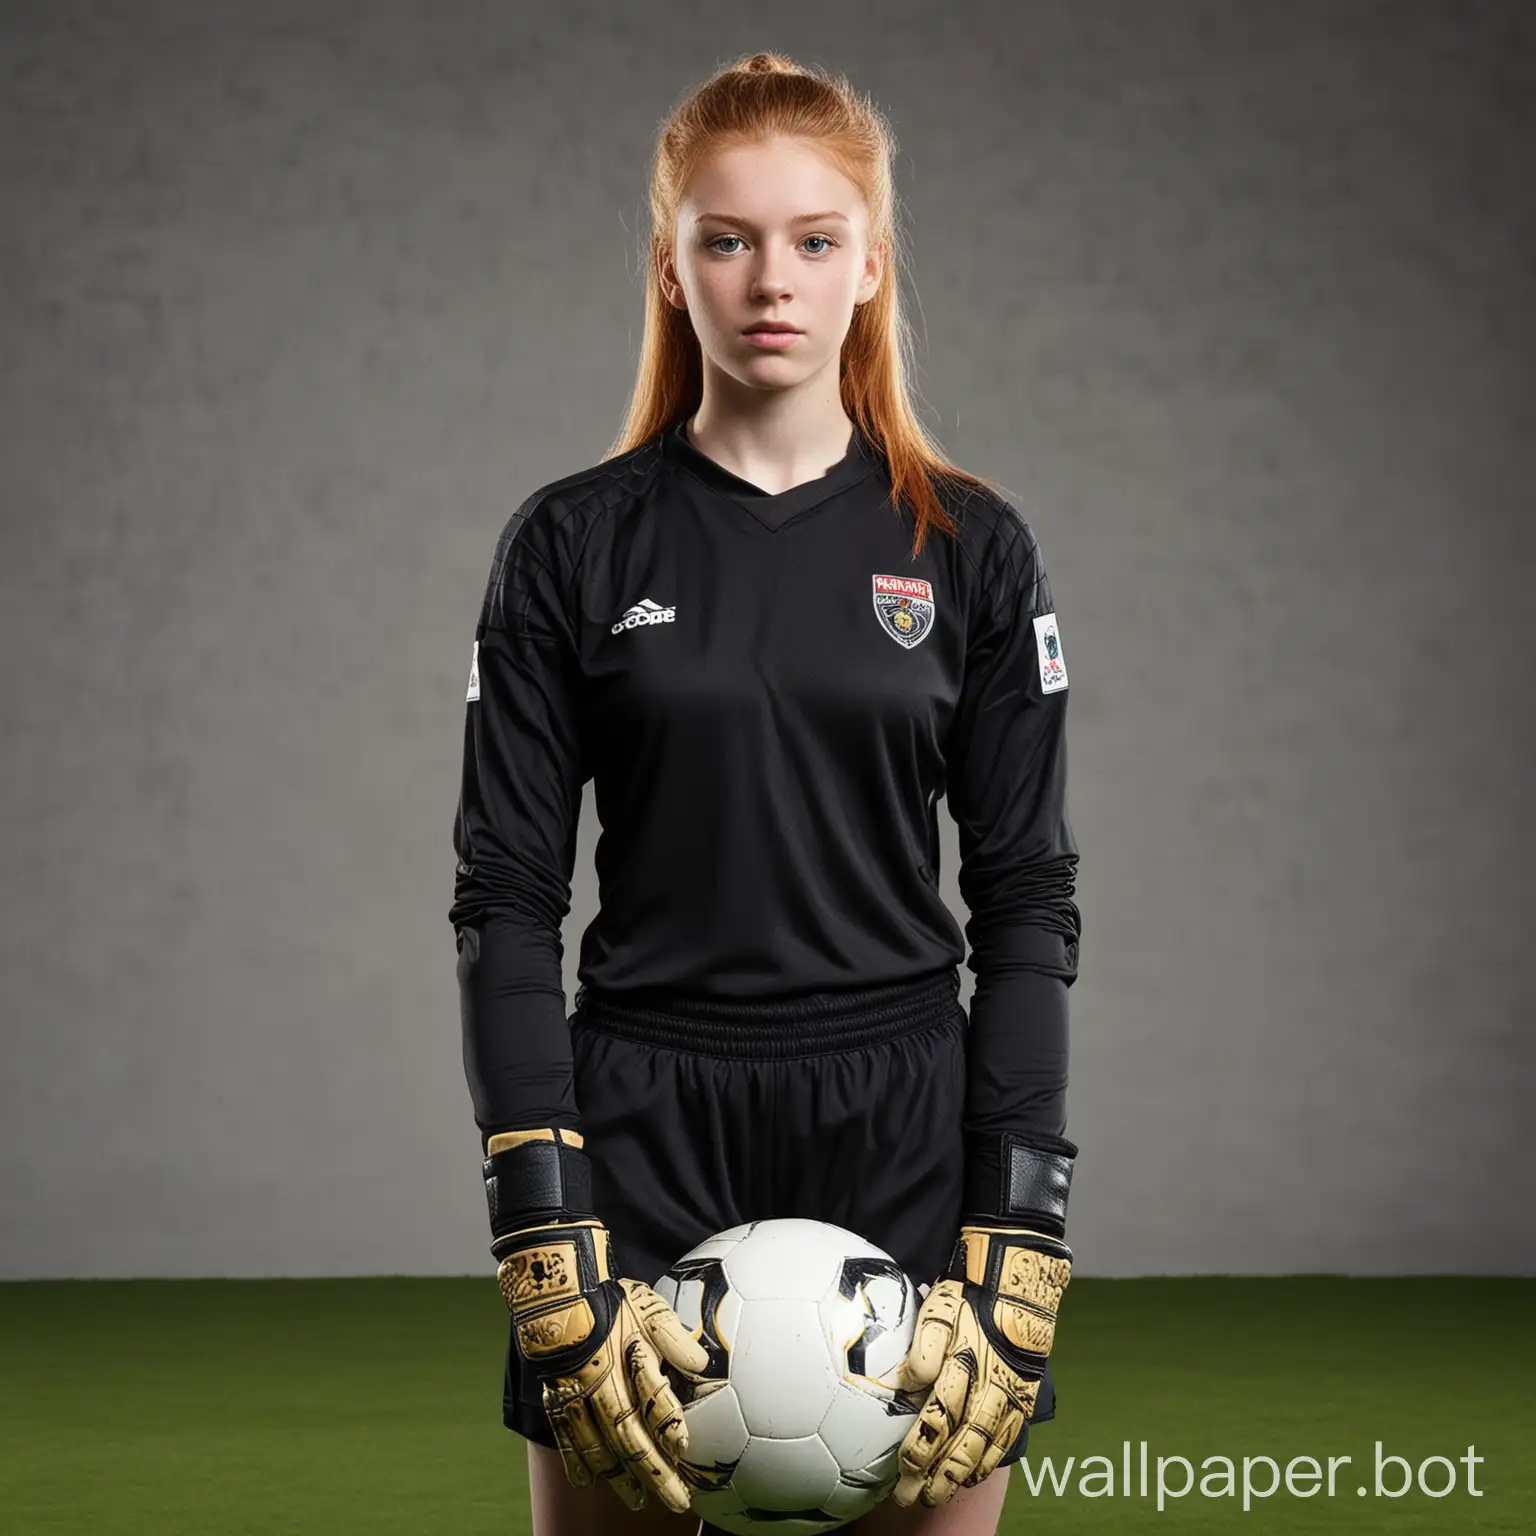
(797, 1426)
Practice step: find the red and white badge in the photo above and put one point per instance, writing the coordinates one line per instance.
(904, 606)
(1053, 669)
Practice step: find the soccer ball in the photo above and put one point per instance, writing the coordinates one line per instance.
(797, 1425)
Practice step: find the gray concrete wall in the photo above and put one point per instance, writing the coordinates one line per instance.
(299, 301)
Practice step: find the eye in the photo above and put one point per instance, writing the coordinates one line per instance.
(714, 245)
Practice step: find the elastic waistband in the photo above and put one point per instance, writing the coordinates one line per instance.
(814, 1024)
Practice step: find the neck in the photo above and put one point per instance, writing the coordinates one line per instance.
(774, 440)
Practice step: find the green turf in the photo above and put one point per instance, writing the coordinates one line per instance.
(373, 1405)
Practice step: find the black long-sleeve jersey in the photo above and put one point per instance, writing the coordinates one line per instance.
(770, 697)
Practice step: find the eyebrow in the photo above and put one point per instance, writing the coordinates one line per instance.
(804, 218)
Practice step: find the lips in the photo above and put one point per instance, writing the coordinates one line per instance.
(788, 330)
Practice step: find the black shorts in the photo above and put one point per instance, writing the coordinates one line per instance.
(698, 1115)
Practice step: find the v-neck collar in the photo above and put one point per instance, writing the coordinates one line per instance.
(772, 511)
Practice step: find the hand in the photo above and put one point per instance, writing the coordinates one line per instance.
(984, 1332)
(594, 1342)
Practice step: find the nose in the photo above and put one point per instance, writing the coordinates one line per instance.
(768, 281)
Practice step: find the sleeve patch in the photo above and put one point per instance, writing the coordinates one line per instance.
(1053, 668)
(474, 674)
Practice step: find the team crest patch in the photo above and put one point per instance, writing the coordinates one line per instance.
(904, 606)
(1053, 670)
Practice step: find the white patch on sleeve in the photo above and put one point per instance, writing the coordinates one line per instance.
(474, 675)
(1053, 668)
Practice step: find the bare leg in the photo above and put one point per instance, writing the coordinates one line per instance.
(972, 1512)
(561, 1510)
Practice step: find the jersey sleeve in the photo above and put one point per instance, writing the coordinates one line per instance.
(1006, 782)
(515, 834)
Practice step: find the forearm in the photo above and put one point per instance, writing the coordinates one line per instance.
(1017, 1054)
(516, 1039)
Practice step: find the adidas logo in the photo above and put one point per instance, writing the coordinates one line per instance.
(645, 612)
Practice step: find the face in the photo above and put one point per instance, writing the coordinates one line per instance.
(745, 250)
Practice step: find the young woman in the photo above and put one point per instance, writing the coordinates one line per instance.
(774, 626)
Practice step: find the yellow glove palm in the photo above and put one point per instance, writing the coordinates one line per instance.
(984, 1332)
(596, 1348)
(595, 1341)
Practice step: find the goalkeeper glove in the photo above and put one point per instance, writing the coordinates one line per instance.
(592, 1338)
(986, 1328)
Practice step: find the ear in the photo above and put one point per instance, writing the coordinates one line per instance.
(666, 275)
(873, 273)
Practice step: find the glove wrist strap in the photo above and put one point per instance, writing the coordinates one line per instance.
(533, 1179)
(1018, 1179)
